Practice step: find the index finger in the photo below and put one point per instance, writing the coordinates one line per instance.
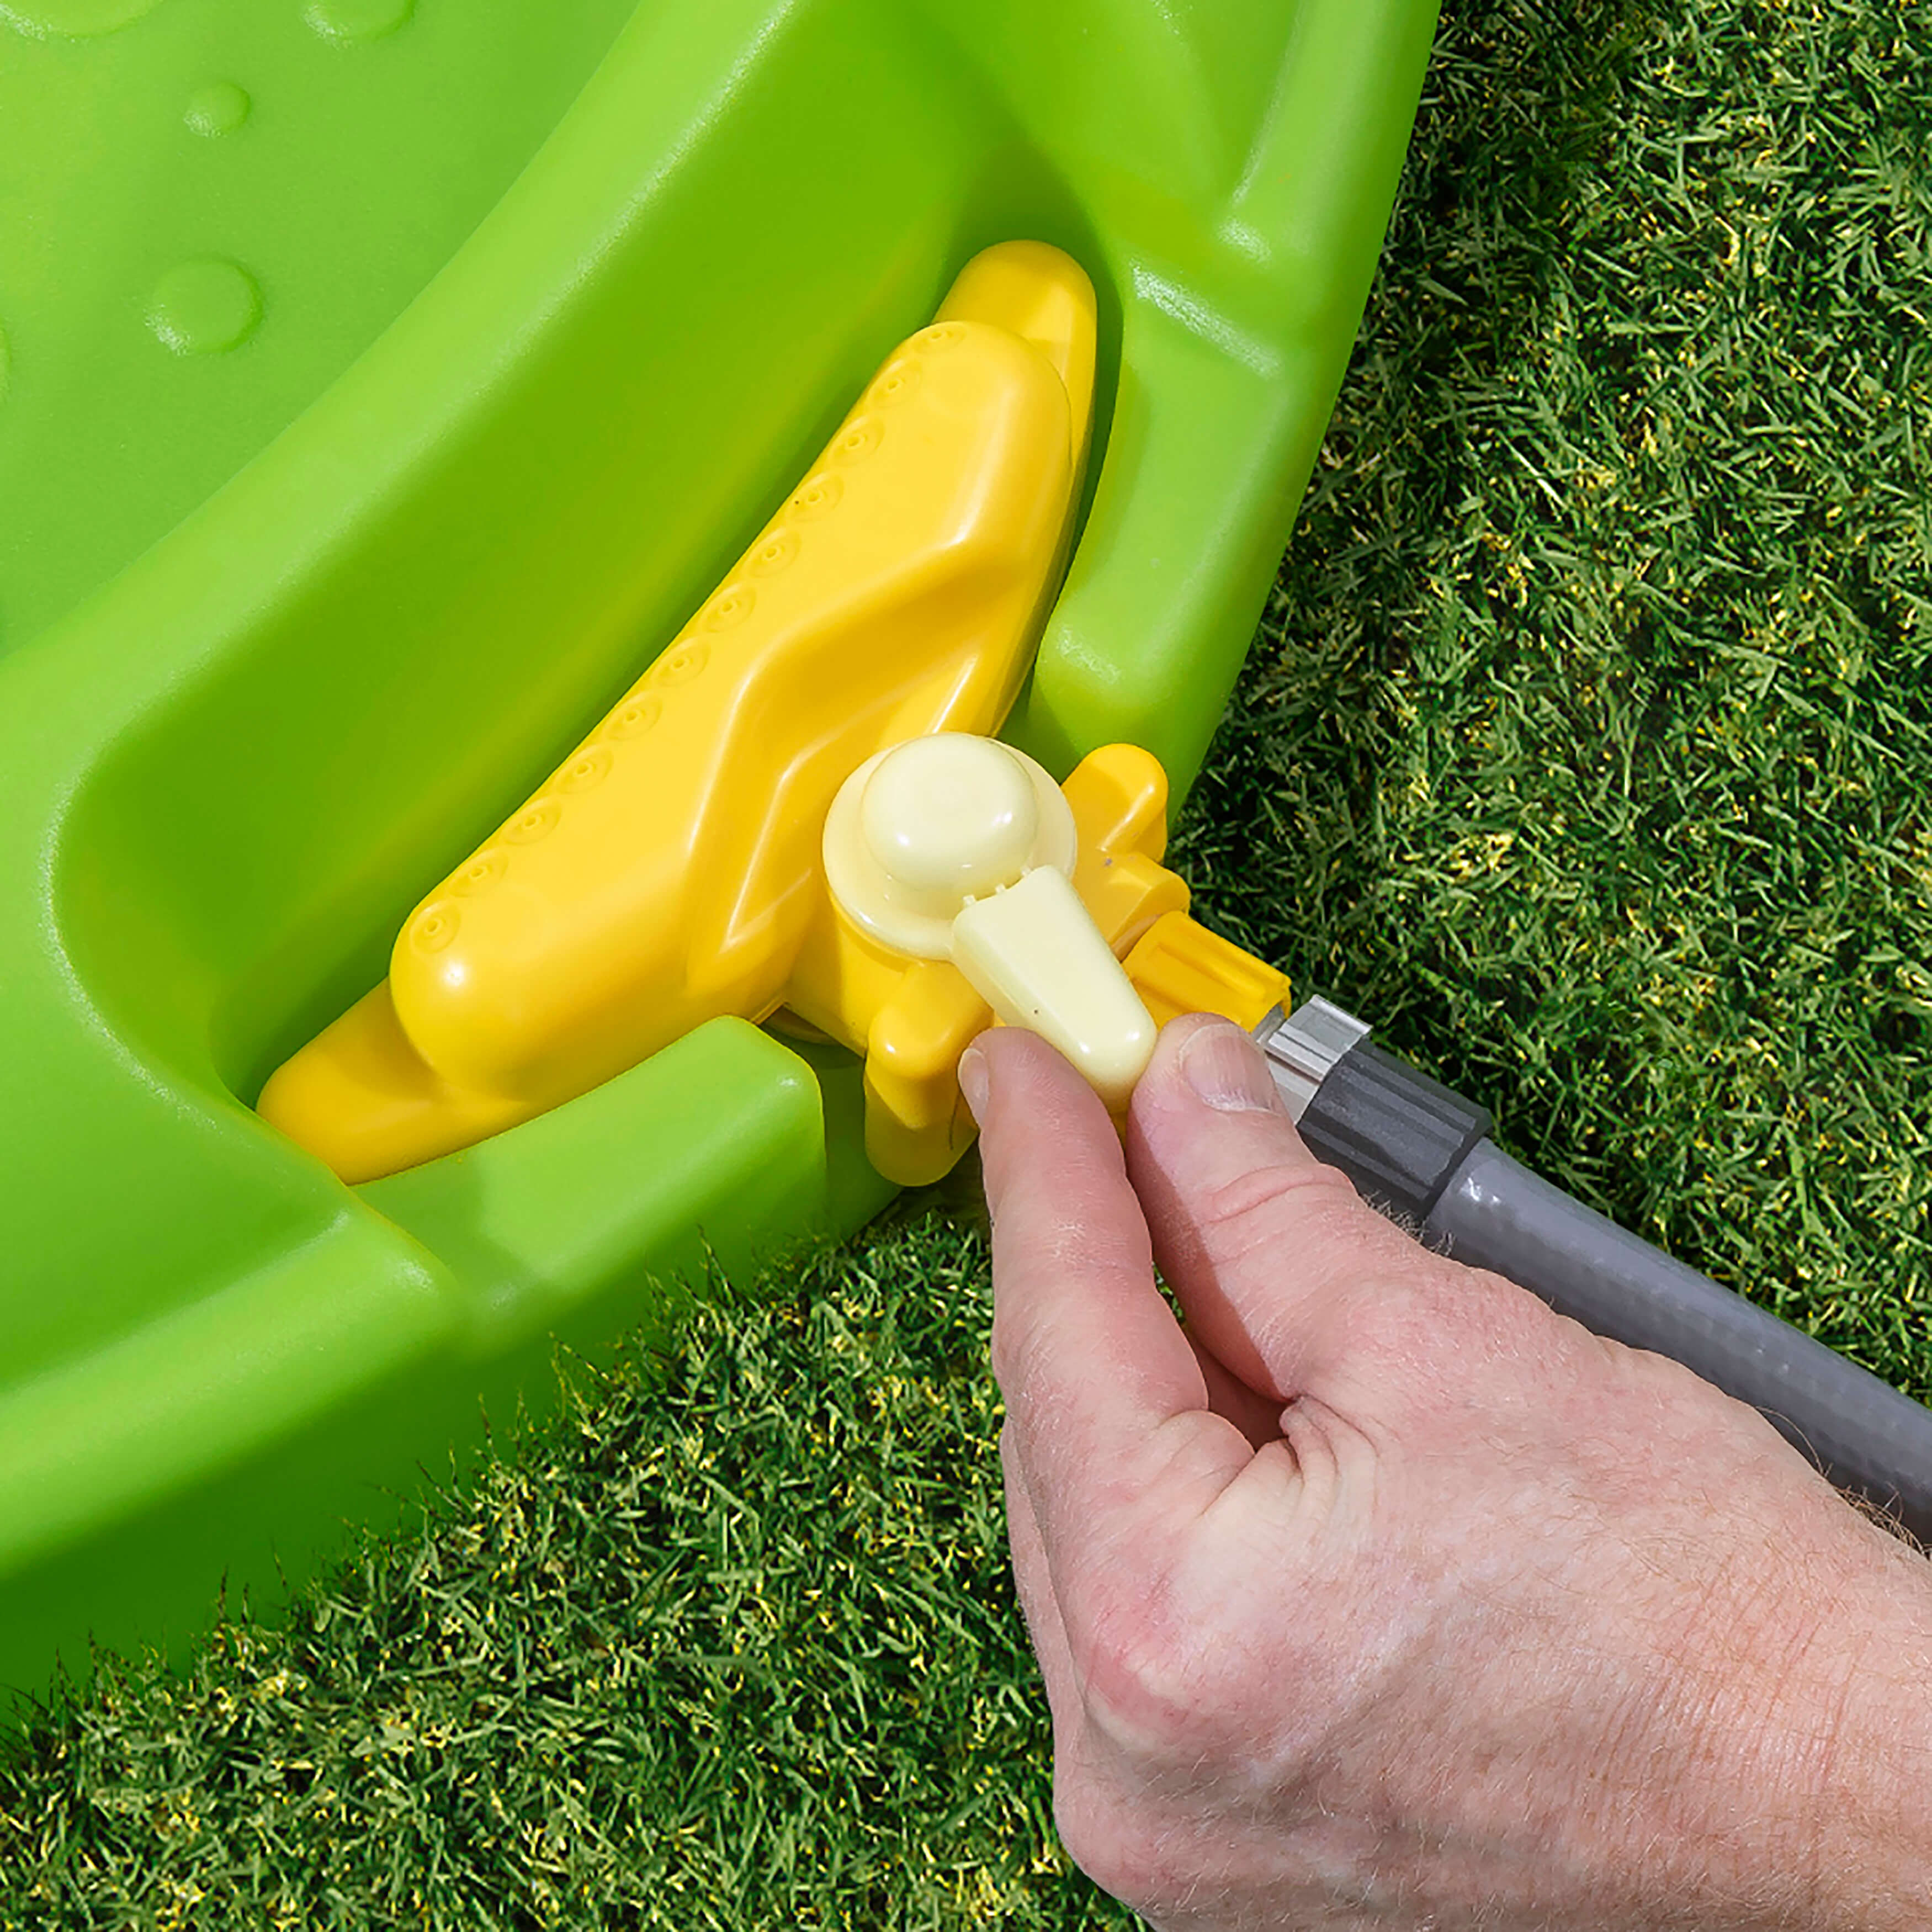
(1104, 1395)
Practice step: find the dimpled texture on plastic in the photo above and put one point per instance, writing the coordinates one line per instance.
(379, 383)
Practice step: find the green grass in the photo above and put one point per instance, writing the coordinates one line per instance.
(1585, 748)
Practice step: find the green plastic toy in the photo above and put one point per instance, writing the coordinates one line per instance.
(381, 384)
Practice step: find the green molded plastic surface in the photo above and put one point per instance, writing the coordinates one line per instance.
(381, 384)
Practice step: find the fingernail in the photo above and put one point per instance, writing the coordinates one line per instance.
(1225, 1069)
(972, 1081)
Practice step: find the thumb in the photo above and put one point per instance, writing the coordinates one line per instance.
(1282, 1268)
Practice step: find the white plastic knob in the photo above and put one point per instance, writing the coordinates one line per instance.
(958, 847)
(957, 817)
(922, 829)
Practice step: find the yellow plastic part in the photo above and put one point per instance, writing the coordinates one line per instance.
(669, 871)
(672, 869)
(1180, 967)
(912, 1019)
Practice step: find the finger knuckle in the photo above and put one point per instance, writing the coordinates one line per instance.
(1257, 1212)
(1150, 1686)
(1022, 1351)
(1104, 1842)
(1008, 1349)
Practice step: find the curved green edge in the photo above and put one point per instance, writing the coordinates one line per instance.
(226, 776)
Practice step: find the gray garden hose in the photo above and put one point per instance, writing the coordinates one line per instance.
(1423, 1154)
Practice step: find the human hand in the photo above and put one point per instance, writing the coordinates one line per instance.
(1379, 1594)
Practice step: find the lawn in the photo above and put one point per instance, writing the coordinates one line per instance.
(1585, 748)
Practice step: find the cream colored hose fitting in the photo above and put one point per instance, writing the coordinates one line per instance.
(953, 846)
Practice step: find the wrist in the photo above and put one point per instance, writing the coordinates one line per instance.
(1871, 1857)
(1836, 1753)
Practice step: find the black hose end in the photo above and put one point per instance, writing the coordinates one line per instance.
(1399, 1136)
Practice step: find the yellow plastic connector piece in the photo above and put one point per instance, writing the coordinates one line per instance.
(913, 1017)
(1180, 967)
(668, 872)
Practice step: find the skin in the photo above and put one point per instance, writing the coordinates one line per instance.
(1377, 1594)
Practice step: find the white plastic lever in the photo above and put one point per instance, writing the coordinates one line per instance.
(1033, 954)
